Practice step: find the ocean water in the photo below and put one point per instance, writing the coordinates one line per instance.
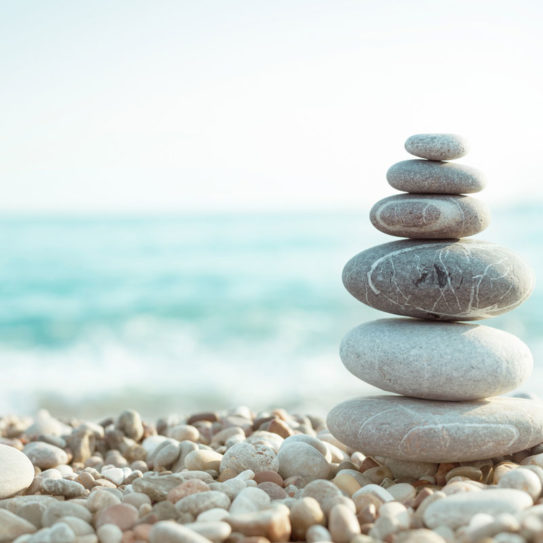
(179, 313)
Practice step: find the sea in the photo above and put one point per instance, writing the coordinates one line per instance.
(179, 313)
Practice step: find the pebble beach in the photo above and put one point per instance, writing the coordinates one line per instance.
(244, 477)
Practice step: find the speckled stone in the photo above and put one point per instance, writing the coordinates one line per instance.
(436, 431)
(425, 176)
(436, 360)
(424, 216)
(436, 279)
(437, 146)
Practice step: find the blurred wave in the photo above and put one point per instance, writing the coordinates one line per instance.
(198, 311)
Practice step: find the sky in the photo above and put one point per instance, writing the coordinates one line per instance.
(130, 106)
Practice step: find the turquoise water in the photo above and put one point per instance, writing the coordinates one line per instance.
(196, 311)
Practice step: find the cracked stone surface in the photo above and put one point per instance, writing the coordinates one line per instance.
(437, 279)
(423, 216)
(436, 360)
(436, 431)
(425, 176)
(437, 146)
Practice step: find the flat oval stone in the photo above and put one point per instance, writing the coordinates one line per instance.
(436, 146)
(424, 216)
(427, 177)
(437, 279)
(436, 360)
(458, 509)
(16, 471)
(436, 431)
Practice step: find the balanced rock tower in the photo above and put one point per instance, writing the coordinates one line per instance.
(448, 374)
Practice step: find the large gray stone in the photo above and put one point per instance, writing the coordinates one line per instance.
(424, 216)
(425, 176)
(436, 360)
(437, 146)
(436, 431)
(16, 471)
(445, 280)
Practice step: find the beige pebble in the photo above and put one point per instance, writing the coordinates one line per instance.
(378, 491)
(165, 455)
(214, 514)
(79, 526)
(215, 531)
(393, 517)
(274, 491)
(321, 490)
(57, 510)
(136, 499)
(245, 455)
(362, 538)
(63, 487)
(98, 499)
(405, 469)
(231, 487)
(403, 492)
(377, 474)
(248, 500)
(361, 501)
(501, 469)
(12, 526)
(302, 459)
(346, 483)
(167, 531)
(305, 513)
(367, 515)
(114, 474)
(123, 515)
(130, 424)
(221, 437)
(186, 488)
(317, 533)
(202, 501)
(505, 537)
(62, 533)
(435, 496)
(421, 535)
(184, 432)
(522, 479)
(484, 526)
(343, 524)
(268, 476)
(109, 533)
(332, 501)
(203, 460)
(272, 523)
(45, 455)
(470, 472)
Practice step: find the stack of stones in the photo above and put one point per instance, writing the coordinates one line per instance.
(448, 373)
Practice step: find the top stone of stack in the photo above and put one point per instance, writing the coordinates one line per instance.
(436, 146)
(435, 175)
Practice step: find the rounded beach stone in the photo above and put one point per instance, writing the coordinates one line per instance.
(438, 279)
(436, 360)
(458, 509)
(16, 471)
(45, 455)
(436, 146)
(437, 431)
(424, 176)
(424, 216)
